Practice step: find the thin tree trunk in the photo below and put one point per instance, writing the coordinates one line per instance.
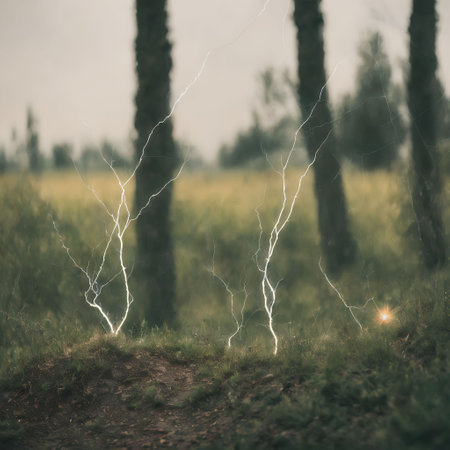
(154, 260)
(422, 88)
(337, 243)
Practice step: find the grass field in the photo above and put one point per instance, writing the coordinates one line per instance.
(331, 386)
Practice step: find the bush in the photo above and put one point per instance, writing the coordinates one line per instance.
(36, 276)
(372, 128)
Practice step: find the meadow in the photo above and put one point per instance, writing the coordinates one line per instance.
(331, 386)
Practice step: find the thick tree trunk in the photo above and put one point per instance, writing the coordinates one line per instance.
(337, 243)
(154, 260)
(422, 88)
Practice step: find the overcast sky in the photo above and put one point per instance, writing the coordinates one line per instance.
(73, 61)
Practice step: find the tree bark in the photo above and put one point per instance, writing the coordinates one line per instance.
(422, 88)
(337, 242)
(154, 261)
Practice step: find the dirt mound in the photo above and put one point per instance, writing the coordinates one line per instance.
(108, 398)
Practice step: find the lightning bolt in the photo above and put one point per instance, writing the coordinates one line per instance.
(269, 289)
(239, 322)
(121, 218)
(384, 315)
(263, 10)
(120, 225)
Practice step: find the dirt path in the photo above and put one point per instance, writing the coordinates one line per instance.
(124, 401)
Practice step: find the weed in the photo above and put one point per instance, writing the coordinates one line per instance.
(96, 425)
(198, 395)
(151, 396)
(144, 395)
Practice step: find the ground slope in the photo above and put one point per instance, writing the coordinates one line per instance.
(108, 395)
(116, 400)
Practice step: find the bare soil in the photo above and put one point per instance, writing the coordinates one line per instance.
(136, 400)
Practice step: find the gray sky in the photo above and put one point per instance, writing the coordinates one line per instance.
(73, 61)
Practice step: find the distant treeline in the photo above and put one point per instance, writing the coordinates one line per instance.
(25, 153)
(371, 123)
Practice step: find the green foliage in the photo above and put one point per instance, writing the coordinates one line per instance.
(371, 125)
(247, 146)
(348, 397)
(272, 126)
(152, 397)
(143, 396)
(62, 155)
(42, 291)
(30, 254)
(198, 395)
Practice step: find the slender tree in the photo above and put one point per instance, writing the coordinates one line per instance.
(154, 260)
(32, 143)
(372, 128)
(337, 243)
(422, 88)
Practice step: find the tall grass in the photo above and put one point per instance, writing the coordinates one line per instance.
(214, 214)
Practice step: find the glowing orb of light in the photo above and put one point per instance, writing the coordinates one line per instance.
(384, 316)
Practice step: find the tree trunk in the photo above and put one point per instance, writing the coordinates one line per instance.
(154, 260)
(422, 88)
(337, 243)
